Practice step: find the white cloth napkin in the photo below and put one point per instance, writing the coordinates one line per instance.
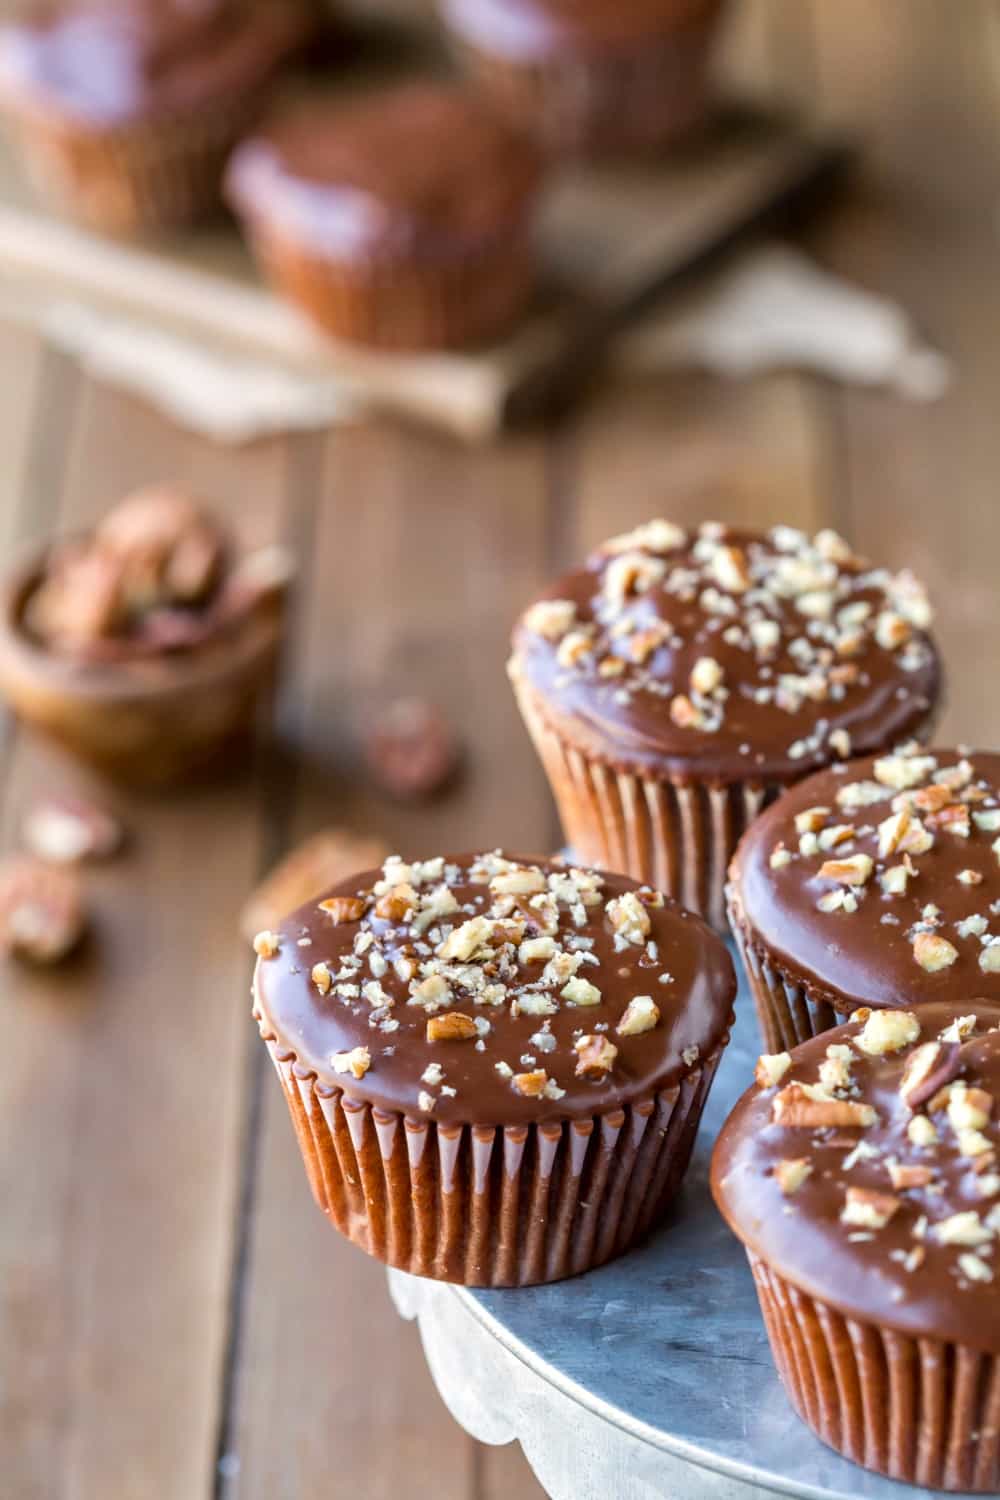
(773, 309)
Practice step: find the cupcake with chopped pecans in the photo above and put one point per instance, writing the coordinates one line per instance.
(875, 883)
(861, 1175)
(495, 1067)
(679, 681)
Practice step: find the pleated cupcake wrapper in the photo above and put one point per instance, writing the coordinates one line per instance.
(677, 835)
(601, 103)
(917, 1409)
(138, 177)
(401, 302)
(492, 1205)
(787, 1012)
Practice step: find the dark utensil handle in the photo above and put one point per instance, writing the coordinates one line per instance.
(546, 391)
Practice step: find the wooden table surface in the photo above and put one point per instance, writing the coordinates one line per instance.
(176, 1319)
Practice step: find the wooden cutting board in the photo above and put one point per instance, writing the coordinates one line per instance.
(612, 241)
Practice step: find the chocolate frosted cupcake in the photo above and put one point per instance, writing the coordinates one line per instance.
(875, 882)
(861, 1175)
(399, 218)
(126, 112)
(590, 76)
(679, 681)
(495, 1067)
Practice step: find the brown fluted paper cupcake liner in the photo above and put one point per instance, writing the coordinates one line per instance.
(140, 177)
(919, 1410)
(676, 835)
(492, 1206)
(391, 305)
(603, 104)
(787, 1012)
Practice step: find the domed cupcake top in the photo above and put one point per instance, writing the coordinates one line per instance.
(494, 990)
(105, 63)
(879, 881)
(531, 28)
(749, 654)
(418, 165)
(863, 1169)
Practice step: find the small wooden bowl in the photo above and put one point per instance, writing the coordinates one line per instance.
(148, 722)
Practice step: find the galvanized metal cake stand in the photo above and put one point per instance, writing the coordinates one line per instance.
(650, 1379)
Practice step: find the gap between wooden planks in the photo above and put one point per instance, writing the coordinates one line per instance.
(122, 1076)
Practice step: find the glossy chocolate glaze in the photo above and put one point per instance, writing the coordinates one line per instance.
(695, 1008)
(418, 166)
(106, 63)
(628, 720)
(866, 956)
(894, 1275)
(534, 28)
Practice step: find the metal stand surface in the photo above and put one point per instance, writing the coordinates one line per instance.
(650, 1379)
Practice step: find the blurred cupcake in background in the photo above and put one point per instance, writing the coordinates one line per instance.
(399, 218)
(590, 76)
(126, 112)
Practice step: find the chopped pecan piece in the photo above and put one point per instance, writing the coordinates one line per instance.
(929, 1069)
(596, 1056)
(454, 1026)
(806, 1105)
(856, 870)
(730, 569)
(641, 1014)
(578, 991)
(66, 830)
(791, 1173)
(903, 1175)
(411, 749)
(684, 714)
(343, 909)
(771, 1068)
(811, 819)
(550, 618)
(933, 953)
(706, 676)
(41, 910)
(356, 1062)
(394, 904)
(531, 1084)
(887, 1031)
(868, 1208)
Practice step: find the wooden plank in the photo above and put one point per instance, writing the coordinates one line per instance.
(27, 372)
(919, 481)
(121, 1084)
(422, 555)
(693, 448)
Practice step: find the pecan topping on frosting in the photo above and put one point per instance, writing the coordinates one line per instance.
(487, 975)
(775, 639)
(915, 1193)
(919, 856)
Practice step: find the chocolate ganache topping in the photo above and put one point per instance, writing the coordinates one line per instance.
(105, 63)
(490, 990)
(879, 882)
(863, 1169)
(732, 654)
(418, 166)
(532, 28)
